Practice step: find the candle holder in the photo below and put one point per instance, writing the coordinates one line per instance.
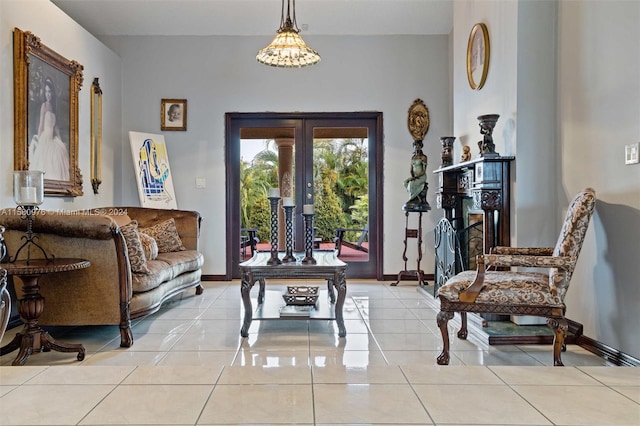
(28, 193)
(308, 239)
(273, 201)
(288, 219)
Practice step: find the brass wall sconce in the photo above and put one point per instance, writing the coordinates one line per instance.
(96, 135)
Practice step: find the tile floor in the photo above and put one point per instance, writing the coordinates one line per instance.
(190, 366)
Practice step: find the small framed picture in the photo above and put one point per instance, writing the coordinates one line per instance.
(173, 114)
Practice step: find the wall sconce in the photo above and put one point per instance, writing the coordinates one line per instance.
(28, 193)
(96, 135)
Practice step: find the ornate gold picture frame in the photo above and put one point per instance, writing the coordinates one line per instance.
(46, 87)
(478, 56)
(173, 114)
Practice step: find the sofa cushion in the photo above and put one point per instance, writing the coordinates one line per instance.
(166, 235)
(165, 268)
(149, 246)
(137, 259)
(521, 288)
(183, 261)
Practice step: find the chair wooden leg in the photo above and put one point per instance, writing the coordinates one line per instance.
(462, 334)
(559, 327)
(443, 319)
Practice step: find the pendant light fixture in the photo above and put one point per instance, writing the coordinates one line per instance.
(288, 49)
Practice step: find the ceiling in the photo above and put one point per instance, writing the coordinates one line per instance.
(259, 17)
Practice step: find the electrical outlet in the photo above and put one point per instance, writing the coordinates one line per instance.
(201, 183)
(631, 153)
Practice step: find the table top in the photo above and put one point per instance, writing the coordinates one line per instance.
(324, 259)
(43, 266)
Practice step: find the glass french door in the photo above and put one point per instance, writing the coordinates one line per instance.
(329, 160)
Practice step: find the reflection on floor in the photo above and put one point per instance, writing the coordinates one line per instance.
(189, 365)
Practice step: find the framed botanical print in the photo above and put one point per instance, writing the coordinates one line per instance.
(46, 87)
(173, 114)
(478, 56)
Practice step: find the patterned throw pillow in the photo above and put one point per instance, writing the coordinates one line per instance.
(137, 259)
(166, 236)
(149, 246)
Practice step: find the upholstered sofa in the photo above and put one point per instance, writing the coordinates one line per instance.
(121, 284)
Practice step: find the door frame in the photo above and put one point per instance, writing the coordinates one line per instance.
(302, 125)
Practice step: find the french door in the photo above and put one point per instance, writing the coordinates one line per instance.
(330, 160)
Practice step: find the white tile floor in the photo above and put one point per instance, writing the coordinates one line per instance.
(190, 366)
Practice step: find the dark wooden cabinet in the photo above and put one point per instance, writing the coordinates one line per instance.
(485, 182)
(469, 192)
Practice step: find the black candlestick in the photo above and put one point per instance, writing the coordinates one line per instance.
(274, 232)
(288, 219)
(308, 239)
(28, 212)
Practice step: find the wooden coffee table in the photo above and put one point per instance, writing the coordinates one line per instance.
(328, 267)
(32, 338)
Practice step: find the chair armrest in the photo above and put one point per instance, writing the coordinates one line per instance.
(533, 251)
(506, 260)
(470, 294)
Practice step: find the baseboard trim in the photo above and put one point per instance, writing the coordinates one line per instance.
(606, 352)
(214, 278)
(425, 277)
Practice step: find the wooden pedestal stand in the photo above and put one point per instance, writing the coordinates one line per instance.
(412, 233)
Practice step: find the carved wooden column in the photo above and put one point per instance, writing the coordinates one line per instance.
(491, 194)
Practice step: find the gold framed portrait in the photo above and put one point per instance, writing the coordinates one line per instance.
(478, 56)
(46, 87)
(173, 114)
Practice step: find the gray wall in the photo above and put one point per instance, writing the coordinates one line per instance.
(598, 113)
(220, 74)
(564, 77)
(59, 32)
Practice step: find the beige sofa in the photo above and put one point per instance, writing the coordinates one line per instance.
(107, 292)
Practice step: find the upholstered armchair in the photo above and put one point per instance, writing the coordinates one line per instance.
(505, 291)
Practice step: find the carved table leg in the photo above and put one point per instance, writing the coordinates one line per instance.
(245, 289)
(50, 343)
(340, 284)
(332, 295)
(442, 320)
(12, 345)
(32, 338)
(261, 291)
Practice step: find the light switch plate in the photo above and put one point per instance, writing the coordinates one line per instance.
(201, 183)
(631, 153)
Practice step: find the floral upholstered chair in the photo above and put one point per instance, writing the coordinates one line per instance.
(520, 293)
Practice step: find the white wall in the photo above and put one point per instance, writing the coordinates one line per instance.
(220, 74)
(59, 32)
(566, 73)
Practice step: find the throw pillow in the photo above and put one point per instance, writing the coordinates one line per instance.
(149, 246)
(137, 259)
(166, 236)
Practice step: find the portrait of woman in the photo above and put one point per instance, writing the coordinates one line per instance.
(47, 151)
